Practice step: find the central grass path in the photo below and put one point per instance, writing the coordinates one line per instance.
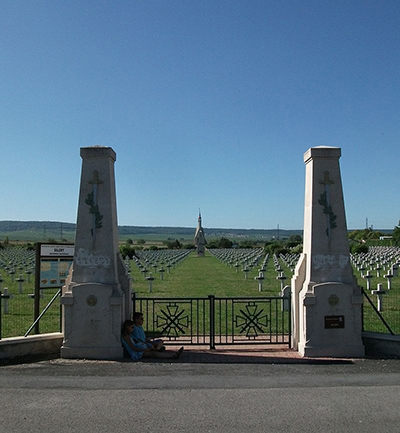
(203, 276)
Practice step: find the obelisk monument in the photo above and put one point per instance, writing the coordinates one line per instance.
(200, 238)
(96, 298)
(326, 298)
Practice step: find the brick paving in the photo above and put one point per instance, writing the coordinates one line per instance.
(248, 354)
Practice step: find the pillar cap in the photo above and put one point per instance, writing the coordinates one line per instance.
(98, 152)
(322, 152)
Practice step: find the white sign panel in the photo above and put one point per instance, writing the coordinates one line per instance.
(57, 250)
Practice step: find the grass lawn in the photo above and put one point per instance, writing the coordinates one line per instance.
(203, 276)
(193, 277)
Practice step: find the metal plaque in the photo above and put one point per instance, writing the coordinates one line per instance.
(334, 322)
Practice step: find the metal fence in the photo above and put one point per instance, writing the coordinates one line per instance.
(381, 315)
(217, 320)
(17, 313)
(203, 321)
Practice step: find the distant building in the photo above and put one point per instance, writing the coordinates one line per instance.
(200, 238)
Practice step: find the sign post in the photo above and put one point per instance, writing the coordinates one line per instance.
(52, 266)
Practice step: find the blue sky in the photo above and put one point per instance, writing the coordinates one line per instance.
(207, 104)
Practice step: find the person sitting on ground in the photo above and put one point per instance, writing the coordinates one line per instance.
(138, 335)
(138, 350)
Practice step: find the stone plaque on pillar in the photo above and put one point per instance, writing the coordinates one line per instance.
(323, 285)
(96, 298)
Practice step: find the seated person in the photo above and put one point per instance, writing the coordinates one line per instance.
(138, 335)
(138, 350)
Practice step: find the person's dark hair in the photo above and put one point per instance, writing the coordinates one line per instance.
(137, 315)
(125, 325)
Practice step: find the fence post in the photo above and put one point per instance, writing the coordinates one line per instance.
(0, 314)
(133, 303)
(290, 319)
(36, 299)
(212, 321)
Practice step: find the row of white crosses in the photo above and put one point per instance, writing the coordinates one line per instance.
(146, 260)
(14, 261)
(290, 260)
(245, 258)
(385, 261)
(261, 271)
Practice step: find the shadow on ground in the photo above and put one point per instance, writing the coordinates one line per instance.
(217, 356)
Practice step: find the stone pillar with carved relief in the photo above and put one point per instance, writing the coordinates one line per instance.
(326, 298)
(96, 297)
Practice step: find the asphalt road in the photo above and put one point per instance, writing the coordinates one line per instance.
(95, 396)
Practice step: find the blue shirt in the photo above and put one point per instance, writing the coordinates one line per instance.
(138, 334)
(135, 355)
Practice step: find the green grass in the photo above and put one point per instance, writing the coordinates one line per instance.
(193, 277)
(199, 277)
(391, 304)
(203, 276)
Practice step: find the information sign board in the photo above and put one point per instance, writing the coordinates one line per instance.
(55, 261)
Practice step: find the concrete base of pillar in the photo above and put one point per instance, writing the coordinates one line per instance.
(330, 351)
(331, 321)
(91, 352)
(93, 316)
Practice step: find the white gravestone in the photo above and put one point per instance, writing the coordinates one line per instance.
(326, 298)
(96, 296)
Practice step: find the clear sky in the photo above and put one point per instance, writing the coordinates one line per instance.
(207, 104)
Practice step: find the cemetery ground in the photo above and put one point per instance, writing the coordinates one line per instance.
(192, 277)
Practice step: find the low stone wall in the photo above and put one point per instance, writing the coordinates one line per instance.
(32, 345)
(384, 345)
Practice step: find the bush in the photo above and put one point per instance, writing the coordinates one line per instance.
(282, 250)
(396, 235)
(175, 245)
(127, 251)
(246, 244)
(225, 243)
(273, 247)
(297, 250)
(359, 248)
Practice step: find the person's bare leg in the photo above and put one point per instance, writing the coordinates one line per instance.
(168, 354)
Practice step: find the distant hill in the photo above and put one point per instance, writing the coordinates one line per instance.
(44, 230)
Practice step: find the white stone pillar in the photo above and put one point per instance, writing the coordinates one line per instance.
(96, 297)
(326, 298)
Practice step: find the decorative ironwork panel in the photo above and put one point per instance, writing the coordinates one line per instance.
(177, 321)
(251, 321)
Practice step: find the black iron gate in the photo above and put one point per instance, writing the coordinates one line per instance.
(217, 321)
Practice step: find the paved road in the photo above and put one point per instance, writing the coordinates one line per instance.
(89, 396)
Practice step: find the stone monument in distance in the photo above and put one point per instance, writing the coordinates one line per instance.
(200, 238)
(96, 296)
(326, 298)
